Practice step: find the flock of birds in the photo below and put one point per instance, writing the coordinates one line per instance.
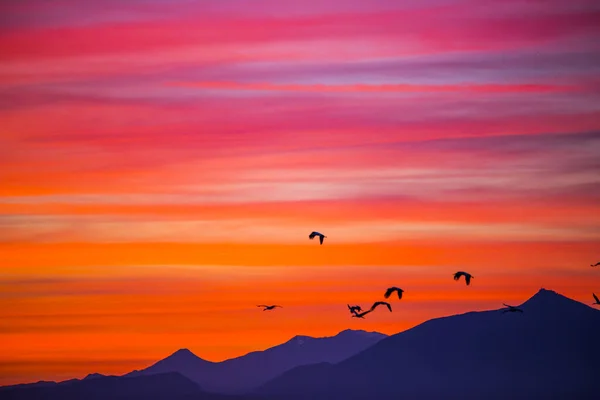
(357, 311)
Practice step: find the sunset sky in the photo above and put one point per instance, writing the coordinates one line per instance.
(162, 163)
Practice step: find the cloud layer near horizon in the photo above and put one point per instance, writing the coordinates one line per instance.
(154, 154)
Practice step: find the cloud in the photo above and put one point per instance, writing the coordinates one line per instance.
(121, 229)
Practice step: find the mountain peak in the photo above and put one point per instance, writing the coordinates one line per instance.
(549, 301)
(300, 339)
(546, 292)
(360, 332)
(183, 353)
(94, 375)
(546, 296)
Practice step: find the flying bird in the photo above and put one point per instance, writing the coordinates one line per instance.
(381, 303)
(354, 309)
(466, 274)
(362, 314)
(320, 235)
(391, 290)
(596, 298)
(595, 265)
(511, 309)
(267, 308)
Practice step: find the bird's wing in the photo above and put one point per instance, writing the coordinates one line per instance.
(321, 239)
(381, 303)
(278, 306)
(362, 314)
(262, 305)
(468, 279)
(400, 294)
(388, 292)
(595, 297)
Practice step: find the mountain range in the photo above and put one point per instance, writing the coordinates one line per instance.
(550, 351)
(245, 373)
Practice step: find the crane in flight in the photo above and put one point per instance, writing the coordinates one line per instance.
(268, 308)
(315, 234)
(511, 309)
(373, 307)
(381, 303)
(391, 290)
(467, 276)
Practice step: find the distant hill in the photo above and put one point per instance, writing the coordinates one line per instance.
(551, 351)
(245, 373)
(169, 386)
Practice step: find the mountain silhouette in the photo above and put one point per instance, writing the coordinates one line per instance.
(245, 373)
(94, 376)
(550, 351)
(168, 386)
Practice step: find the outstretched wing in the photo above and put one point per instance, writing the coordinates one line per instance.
(362, 314)
(400, 293)
(262, 305)
(468, 279)
(381, 303)
(596, 297)
(389, 292)
(321, 239)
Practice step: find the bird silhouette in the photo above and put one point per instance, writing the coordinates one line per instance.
(466, 274)
(511, 309)
(595, 265)
(391, 290)
(373, 307)
(381, 303)
(267, 308)
(595, 298)
(362, 314)
(320, 235)
(354, 309)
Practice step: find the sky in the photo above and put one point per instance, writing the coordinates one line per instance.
(163, 162)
